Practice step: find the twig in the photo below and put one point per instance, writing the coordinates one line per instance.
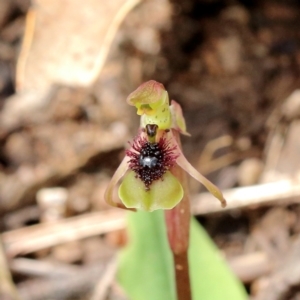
(284, 278)
(105, 281)
(207, 163)
(36, 237)
(7, 288)
(250, 266)
(212, 146)
(58, 288)
(247, 267)
(255, 195)
(21, 216)
(33, 267)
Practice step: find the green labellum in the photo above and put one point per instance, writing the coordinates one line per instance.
(163, 194)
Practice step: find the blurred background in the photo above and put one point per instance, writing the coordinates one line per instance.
(66, 68)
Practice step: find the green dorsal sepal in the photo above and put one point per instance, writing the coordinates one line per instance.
(152, 103)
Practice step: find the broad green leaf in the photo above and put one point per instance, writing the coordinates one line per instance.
(146, 266)
(210, 275)
(163, 194)
(146, 271)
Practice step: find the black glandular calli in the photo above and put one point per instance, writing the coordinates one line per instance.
(151, 160)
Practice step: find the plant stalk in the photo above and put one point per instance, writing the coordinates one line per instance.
(178, 226)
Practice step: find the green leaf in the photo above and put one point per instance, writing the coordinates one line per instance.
(211, 278)
(163, 194)
(146, 271)
(146, 265)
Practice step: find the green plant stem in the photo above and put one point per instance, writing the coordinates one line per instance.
(178, 226)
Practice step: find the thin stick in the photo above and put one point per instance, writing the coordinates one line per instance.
(41, 268)
(66, 287)
(285, 278)
(248, 196)
(101, 288)
(36, 237)
(251, 266)
(40, 236)
(7, 287)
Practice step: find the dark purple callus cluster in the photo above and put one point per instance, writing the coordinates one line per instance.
(151, 160)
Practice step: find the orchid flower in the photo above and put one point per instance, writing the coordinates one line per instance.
(148, 182)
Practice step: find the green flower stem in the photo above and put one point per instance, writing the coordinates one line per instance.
(178, 226)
